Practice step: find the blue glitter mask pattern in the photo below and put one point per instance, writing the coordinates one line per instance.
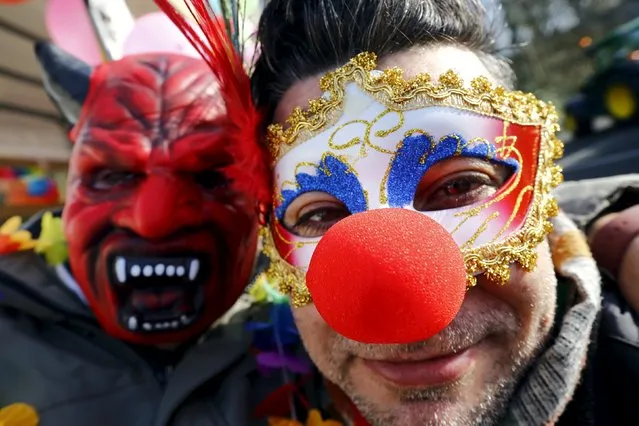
(420, 152)
(333, 177)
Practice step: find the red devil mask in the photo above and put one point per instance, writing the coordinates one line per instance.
(165, 184)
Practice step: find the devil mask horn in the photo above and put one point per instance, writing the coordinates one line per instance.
(66, 79)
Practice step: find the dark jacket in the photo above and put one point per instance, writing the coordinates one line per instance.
(609, 390)
(55, 357)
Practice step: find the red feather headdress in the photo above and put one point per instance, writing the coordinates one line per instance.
(218, 45)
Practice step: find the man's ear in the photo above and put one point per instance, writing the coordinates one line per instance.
(66, 79)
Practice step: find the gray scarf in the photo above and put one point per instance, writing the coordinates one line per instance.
(550, 385)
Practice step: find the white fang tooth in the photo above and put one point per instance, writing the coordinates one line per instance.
(147, 271)
(170, 270)
(180, 271)
(120, 269)
(175, 324)
(184, 319)
(133, 323)
(159, 269)
(136, 270)
(194, 269)
(166, 325)
(147, 326)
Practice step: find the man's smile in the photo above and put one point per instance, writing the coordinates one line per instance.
(426, 372)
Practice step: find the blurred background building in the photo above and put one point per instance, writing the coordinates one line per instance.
(551, 44)
(34, 148)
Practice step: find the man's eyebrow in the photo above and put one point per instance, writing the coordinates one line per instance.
(109, 152)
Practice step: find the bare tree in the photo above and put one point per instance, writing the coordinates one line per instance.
(544, 38)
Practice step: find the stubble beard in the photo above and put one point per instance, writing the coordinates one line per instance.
(446, 409)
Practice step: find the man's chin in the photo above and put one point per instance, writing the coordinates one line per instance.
(422, 413)
(458, 403)
(391, 398)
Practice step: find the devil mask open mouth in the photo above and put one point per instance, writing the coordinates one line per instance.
(157, 294)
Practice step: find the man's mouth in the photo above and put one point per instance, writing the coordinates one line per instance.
(425, 369)
(157, 294)
(424, 373)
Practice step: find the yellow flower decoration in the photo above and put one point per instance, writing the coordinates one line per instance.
(19, 415)
(275, 421)
(314, 419)
(257, 291)
(263, 292)
(13, 239)
(52, 242)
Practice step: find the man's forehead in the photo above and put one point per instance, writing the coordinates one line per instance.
(130, 115)
(434, 60)
(157, 96)
(146, 135)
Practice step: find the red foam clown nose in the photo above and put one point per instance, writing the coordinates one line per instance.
(387, 276)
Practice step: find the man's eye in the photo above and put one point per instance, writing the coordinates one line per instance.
(459, 187)
(457, 191)
(315, 221)
(108, 179)
(210, 179)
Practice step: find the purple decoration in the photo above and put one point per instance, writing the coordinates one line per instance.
(274, 360)
(279, 329)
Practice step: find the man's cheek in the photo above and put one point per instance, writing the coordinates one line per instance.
(318, 337)
(83, 223)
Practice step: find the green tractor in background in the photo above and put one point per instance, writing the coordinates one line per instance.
(613, 90)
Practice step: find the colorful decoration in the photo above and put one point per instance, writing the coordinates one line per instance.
(12, 2)
(277, 338)
(51, 242)
(8, 173)
(314, 419)
(13, 239)
(276, 341)
(155, 32)
(19, 415)
(27, 186)
(69, 26)
(39, 186)
(262, 292)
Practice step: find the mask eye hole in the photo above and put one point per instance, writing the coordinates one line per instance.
(107, 179)
(210, 179)
(459, 182)
(311, 214)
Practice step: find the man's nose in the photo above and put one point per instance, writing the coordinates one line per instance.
(404, 281)
(163, 205)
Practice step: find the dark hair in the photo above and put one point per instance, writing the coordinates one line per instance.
(301, 38)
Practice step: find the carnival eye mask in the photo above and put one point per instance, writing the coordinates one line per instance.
(478, 160)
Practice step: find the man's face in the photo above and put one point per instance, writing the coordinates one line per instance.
(161, 241)
(467, 372)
